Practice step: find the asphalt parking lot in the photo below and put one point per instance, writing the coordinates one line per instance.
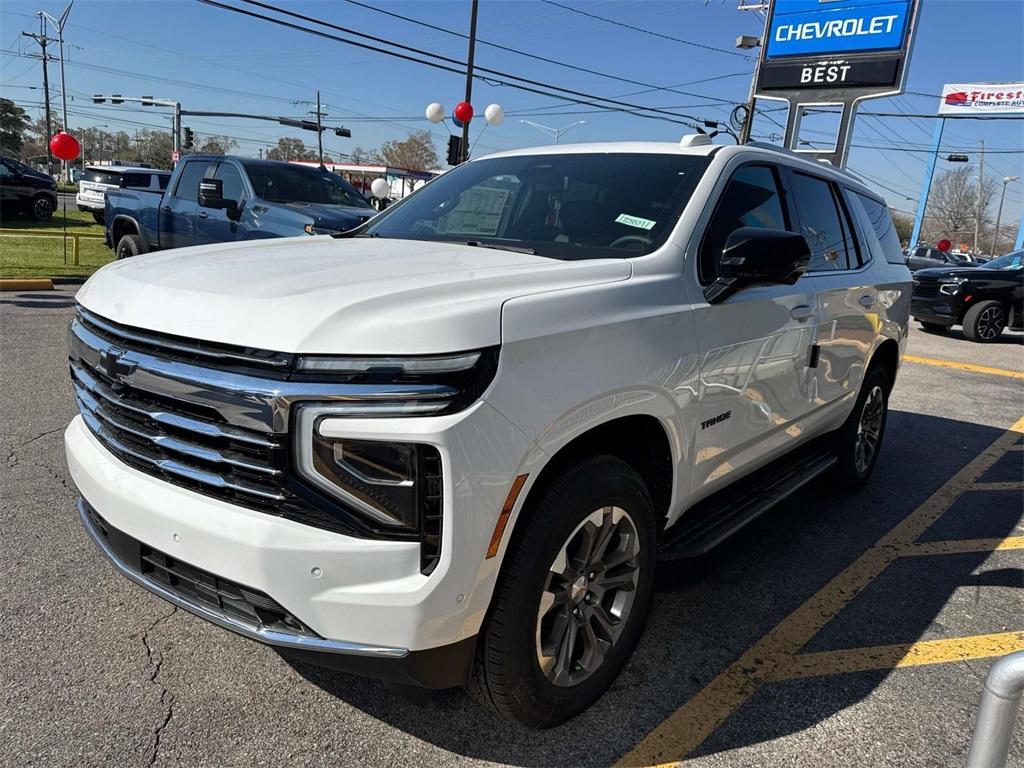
(836, 630)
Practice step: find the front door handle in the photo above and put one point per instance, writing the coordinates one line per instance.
(165, 208)
(866, 301)
(202, 215)
(803, 312)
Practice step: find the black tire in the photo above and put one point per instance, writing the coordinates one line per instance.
(507, 675)
(128, 246)
(97, 216)
(984, 322)
(852, 470)
(933, 327)
(41, 208)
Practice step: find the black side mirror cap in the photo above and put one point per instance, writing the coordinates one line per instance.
(211, 195)
(753, 255)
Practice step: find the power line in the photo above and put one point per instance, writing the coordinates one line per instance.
(588, 99)
(649, 32)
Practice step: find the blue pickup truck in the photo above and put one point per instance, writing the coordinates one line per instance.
(217, 199)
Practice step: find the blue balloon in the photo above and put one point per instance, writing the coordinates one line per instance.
(458, 123)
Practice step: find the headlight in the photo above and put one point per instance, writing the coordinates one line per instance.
(394, 486)
(951, 285)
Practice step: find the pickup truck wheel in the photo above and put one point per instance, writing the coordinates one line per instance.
(42, 208)
(572, 598)
(128, 246)
(860, 438)
(984, 321)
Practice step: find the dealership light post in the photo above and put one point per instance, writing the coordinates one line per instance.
(999, 216)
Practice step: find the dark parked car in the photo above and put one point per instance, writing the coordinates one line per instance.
(924, 257)
(983, 299)
(214, 199)
(27, 190)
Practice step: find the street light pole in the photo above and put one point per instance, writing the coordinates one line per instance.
(555, 132)
(469, 75)
(999, 216)
(59, 24)
(981, 183)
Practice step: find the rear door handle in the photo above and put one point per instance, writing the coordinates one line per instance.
(803, 312)
(202, 215)
(866, 301)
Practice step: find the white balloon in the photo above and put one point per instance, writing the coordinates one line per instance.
(494, 114)
(435, 112)
(380, 188)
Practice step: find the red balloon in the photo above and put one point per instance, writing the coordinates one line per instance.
(65, 146)
(463, 111)
(944, 245)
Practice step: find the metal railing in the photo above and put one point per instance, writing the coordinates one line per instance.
(73, 236)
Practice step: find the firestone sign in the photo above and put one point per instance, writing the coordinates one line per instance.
(841, 44)
(982, 99)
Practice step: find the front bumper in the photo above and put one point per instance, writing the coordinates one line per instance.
(943, 310)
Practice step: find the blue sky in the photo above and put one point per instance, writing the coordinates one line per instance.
(210, 59)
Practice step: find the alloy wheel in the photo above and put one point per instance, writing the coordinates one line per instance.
(869, 429)
(990, 323)
(588, 595)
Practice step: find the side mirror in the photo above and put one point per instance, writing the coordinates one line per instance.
(211, 195)
(759, 256)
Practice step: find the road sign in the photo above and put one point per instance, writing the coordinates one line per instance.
(175, 156)
(834, 53)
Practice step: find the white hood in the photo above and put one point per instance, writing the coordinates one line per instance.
(346, 296)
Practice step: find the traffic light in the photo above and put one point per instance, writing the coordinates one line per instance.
(188, 139)
(147, 101)
(98, 98)
(455, 154)
(116, 99)
(343, 132)
(957, 157)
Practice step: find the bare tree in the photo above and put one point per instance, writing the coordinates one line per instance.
(291, 149)
(217, 145)
(953, 205)
(416, 153)
(361, 156)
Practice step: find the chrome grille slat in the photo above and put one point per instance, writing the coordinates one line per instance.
(172, 466)
(205, 428)
(166, 441)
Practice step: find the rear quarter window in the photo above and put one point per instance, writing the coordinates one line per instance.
(880, 219)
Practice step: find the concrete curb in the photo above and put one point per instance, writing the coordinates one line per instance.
(27, 284)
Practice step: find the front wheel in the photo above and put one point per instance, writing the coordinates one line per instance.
(860, 438)
(984, 321)
(572, 598)
(42, 208)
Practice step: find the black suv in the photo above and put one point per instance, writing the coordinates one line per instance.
(27, 190)
(984, 299)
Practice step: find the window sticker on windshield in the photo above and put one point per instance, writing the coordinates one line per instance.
(477, 213)
(634, 221)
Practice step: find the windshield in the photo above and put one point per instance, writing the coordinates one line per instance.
(571, 206)
(297, 184)
(1009, 261)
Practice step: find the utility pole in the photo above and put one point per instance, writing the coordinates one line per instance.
(319, 131)
(42, 39)
(469, 75)
(59, 24)
(981, 183)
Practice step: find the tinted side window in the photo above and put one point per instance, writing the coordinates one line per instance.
(188, 182)
(751, 199)
(6, 172)
(822, 224)
(135, 180)
(232, 179)
(162, 180)
(881, 222)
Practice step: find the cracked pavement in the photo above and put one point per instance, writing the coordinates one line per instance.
(98, 672)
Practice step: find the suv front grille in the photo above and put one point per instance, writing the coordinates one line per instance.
(925, 288)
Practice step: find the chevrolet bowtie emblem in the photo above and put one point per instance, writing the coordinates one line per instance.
(113, 365)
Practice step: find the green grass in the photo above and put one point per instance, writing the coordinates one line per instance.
(23, 256)
(78, 221)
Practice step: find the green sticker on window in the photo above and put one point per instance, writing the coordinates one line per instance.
(635, 221)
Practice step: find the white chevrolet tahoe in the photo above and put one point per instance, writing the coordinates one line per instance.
(448, 447)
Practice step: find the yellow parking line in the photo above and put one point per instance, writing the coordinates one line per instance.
(903, 655)
(998, 487)
(685, 729)
(963, 366)
(962, 546)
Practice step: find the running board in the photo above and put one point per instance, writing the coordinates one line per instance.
(717, 518)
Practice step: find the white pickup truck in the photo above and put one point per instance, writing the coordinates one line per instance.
(449, 446)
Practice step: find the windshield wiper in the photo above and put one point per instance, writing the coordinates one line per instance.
(500, 247)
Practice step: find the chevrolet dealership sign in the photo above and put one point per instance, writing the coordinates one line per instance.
(827, 44)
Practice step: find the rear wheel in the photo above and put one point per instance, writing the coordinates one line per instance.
(572, 597)
(860, 438)
(984, 321)
(128, 246)
(42, 208)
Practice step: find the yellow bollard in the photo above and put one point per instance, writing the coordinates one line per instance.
(74, 248)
